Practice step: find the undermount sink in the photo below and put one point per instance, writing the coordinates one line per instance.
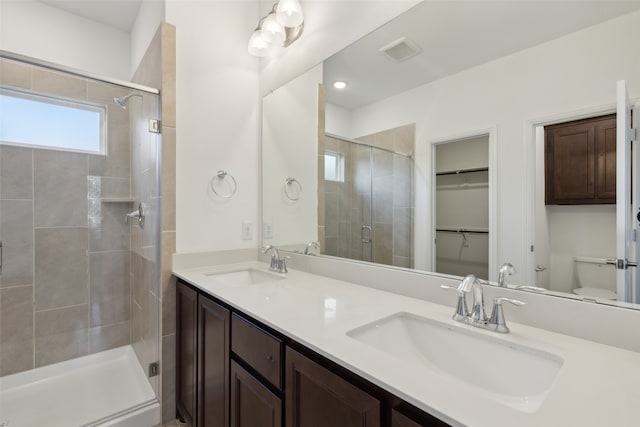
(249, 276)
(513, 374)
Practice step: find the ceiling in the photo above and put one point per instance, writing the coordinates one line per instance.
(455, 36)
(120, 14)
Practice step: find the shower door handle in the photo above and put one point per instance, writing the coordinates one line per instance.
(367, 238)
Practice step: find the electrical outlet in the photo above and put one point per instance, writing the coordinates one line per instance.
(267, 230)
(247, 230)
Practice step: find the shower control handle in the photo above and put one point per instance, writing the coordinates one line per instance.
(137, 215)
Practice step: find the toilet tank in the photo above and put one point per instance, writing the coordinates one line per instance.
(593, 273)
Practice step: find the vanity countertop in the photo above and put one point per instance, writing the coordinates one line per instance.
(597, 384)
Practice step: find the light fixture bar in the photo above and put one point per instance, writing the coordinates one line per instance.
(282, 26)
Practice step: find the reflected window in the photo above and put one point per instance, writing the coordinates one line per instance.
(333, 166)
(46, 122)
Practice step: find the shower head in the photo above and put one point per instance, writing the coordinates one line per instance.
(122, 101)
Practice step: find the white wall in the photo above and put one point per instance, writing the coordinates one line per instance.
(338, 121)
(217, 120)
(290, 149)
(507, 93)
(150, 15)
(329, 26)
(40, 31)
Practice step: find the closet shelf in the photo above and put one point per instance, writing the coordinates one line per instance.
(457, 172)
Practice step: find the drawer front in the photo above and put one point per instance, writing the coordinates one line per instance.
(261, 350)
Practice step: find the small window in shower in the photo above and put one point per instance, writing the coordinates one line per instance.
(333, 166)
(47, 122)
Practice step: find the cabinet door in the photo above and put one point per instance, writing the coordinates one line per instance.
(570, 163)
(186, 351)
(418, 419)
(252, 404)
(316, 397)
(213, 364)
(580, 161)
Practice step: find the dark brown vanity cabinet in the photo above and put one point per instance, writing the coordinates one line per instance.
(202, 359)
(186, 352)
(255, 397)
(234, 371)
(580, 162)
(213, 364)
(252, 403)
(316, 397)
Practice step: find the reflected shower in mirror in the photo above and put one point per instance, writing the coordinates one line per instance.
(446, 71)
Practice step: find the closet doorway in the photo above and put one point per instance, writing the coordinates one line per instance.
(461, 198)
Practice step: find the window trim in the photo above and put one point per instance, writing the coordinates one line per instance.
(101, 109)
(339, 165)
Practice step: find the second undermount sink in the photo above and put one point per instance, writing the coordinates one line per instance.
(248, 276)
(513, 374)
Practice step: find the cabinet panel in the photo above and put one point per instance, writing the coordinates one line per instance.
(252, 404)
(213, 364)
(607, 160)
(316, 397)
(580, 161)
(400, 420)
(261, 350)
(571, 162)
(186, 342)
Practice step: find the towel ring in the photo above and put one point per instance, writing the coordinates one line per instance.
(289, 182)
(222, 175)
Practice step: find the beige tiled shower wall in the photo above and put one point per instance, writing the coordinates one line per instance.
(376, 192)
(158, 69)
(64, 287)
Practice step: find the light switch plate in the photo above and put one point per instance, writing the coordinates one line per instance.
(247, 230)
(267, 230)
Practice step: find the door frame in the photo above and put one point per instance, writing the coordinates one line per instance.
(529, 189)
(491, 131)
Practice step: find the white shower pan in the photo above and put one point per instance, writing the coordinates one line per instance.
(99, 390)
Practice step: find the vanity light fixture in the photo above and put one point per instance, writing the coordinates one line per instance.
(339, 85)
(281, 27)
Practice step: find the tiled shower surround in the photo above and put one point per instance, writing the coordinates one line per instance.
(376, 191)
(65, 287)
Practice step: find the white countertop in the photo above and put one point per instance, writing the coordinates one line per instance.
(597, 384)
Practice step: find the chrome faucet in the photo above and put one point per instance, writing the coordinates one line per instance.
(506, 268)
(477, 316)
(278, 263)
(309, 246)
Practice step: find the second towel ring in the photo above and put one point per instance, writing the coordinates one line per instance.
(221, 175)
(290, 182)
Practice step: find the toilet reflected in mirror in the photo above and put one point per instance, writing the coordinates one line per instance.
(594, 278)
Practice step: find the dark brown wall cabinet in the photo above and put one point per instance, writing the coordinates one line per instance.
(202, 359)
(316, 397)
(580, 162)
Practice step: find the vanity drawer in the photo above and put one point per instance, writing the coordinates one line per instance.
(259, 349)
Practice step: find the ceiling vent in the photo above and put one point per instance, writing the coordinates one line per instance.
(401, 49)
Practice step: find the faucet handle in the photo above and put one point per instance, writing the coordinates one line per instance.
(462, 312)
(497, 321)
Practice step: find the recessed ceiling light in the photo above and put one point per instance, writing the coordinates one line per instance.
(339, 85)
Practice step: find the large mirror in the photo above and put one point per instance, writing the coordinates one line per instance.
(461, 136)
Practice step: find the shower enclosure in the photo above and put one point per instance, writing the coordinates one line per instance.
(368, 197)
(79, 280)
